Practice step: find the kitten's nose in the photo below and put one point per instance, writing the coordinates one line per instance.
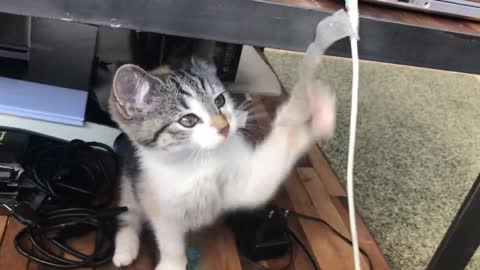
(224, 131)
(221, 124)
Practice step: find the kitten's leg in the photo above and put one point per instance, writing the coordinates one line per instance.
(171, 243)
(261, 173)
(127, 242)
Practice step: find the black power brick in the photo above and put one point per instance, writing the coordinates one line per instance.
(260, 234)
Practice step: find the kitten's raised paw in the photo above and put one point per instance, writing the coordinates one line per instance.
(126, 247)
(322, 107)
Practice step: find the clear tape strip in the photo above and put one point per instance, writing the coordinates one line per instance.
(328, 31)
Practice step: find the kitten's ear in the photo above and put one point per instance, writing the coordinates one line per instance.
(130, 86)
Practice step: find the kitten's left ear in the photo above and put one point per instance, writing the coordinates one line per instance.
(131, 85)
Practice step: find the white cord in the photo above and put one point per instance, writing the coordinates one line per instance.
(352, 6)
(351, 153)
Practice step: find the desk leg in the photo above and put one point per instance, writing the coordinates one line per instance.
(463, 237)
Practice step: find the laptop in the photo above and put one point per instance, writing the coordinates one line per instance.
(467, 9)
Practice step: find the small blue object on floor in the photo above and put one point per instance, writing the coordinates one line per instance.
(193, 257)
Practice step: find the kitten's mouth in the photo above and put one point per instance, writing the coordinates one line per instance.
(224, 131)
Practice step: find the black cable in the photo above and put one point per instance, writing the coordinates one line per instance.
(56, 227)
(344, 238)
(77, 178)
(305, 249)
(74, 172)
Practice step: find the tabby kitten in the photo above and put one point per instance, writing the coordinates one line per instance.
(189, 164)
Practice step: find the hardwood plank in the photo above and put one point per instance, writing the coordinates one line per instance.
(9, 257)
(84, 244)
(217, 249)
(365, 238)
(325, 172)
(321, 199)
(327, 211)
(3, 226)
(32, 265)
(318, 237)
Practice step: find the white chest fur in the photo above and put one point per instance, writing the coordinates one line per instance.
(190, 191)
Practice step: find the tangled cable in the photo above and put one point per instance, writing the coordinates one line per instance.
(74, 173)
(53, 230)
(76, 178)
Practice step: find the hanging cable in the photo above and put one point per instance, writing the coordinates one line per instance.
(352, 8)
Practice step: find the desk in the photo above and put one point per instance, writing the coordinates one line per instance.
(388, 34)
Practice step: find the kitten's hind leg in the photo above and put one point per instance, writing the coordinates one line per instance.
(127, 242)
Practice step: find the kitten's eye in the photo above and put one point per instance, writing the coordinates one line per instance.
(219, 101)
(189, 120)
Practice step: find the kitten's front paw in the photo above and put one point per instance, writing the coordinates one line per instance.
(314, 105)
(322, 107)
(172, 265)
(127, 245)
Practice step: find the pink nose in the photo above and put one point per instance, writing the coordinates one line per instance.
(224, 131)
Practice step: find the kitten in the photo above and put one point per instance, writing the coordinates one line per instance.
(189, 165)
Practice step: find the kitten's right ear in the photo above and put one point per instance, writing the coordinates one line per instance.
(130, 86)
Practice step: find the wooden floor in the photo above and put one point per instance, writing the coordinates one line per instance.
(312, 188)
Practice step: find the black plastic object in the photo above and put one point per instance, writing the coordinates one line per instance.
(121, 145)
(260, 234)
(15, 37)
(61, 54)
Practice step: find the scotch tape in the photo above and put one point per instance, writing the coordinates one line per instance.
(328, 31)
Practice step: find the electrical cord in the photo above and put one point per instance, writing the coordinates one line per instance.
(76, 177)
(319, 220)
(305, 249)
(74, 172)
(54, 228)
(302, 245)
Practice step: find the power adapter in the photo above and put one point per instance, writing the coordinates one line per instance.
(260, 234)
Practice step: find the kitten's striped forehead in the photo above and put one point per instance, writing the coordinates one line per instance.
(172, 94)
(189, 83)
